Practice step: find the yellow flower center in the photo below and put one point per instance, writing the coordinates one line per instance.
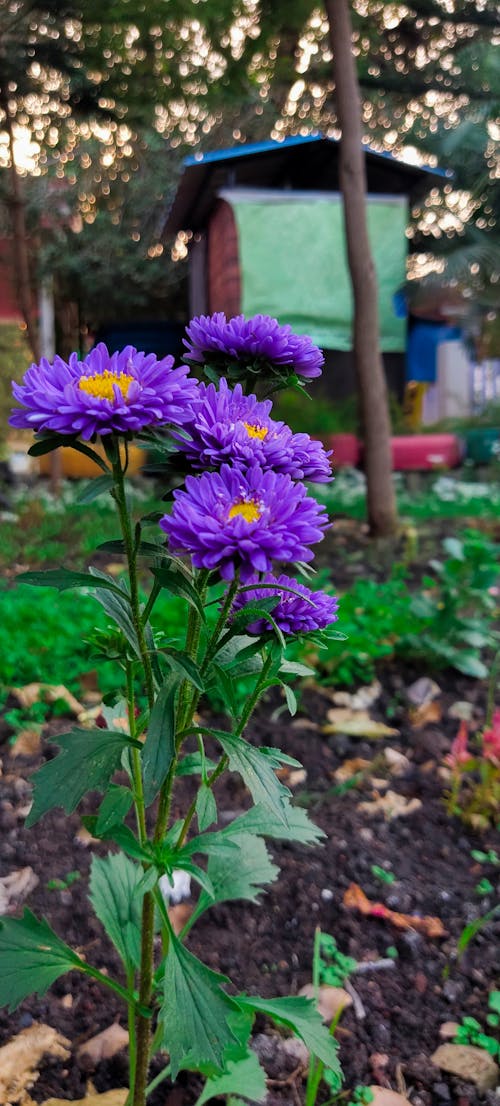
(101, 385)
(248, 509)
(256, 431)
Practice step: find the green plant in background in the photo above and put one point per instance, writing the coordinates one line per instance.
(382, 874)
(470, 1031)
(14, 355)
(452, 616)
(361, 1096)
(63, 884)
(330, 967)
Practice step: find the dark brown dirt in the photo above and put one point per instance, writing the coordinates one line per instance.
(267, 949)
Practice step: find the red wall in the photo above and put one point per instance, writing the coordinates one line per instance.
(9, 310)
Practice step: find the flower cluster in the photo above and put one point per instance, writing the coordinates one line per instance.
(107, 393)
(259, 341)
(229, 427)
(298, 610)
(250, 509)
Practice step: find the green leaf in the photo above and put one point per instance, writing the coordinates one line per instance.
(45, 444)
(87, 761)
(178, 584)
(241, 654)
(32, 957)
(117, 606)
(182, 663)
(192, 765)
(96, 487)
(455, 548)
(257, 769)
(301, 1016)
(294, 668)
(291, 700)
(196, 1014)
(206, 807)
(117, 901)
(261, 821)
(122, 836)
(243, 1077)
(469, 664)
(114, 808)
(239, 875)
(159, 748)
(63, 579)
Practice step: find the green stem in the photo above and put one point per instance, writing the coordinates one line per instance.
(135, 757)
(221, 622)
(163, 1074)
(132, 1042)
(221, 767)
(111, 984)
(131, 555)
(253, 699)
(138, 1077)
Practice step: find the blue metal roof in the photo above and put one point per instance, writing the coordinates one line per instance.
(250, 148)
(307, 162)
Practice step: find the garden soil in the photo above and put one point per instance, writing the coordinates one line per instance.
(389, 1034)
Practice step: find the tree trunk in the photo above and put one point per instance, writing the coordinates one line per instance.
(15, 205)
(369, 366)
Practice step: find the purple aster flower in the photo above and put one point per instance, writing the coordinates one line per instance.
(298, 610)
(106, 393)
(232, 520)
(257, 341)
(229, 426)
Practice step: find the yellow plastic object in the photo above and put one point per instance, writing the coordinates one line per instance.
(76, 466)
(413, 403)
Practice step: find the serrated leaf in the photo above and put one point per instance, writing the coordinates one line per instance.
(117, 901)
(241, 875)
(196, 1014)
(257, 769)
(159, 748)
(261, 821)
(243, 1077)
(206, 807)
(32, 957)
(299, 1014)
(87, 761)
(63, 579)
(96, 487)
(113, 809)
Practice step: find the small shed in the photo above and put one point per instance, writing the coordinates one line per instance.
(267, 236)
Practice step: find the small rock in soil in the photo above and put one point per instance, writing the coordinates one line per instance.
(382, 1096)
(469, 1063)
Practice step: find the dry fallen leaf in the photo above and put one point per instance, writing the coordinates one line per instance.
(102, 1047)
(330, 1000)
(292, 777)
(397, 762)
(16, 887)
(46, 693)
(109, 1098)
(382, 1096)
(356, 723)
(391, 805)
(423, 691)
(355, 899)
(425, 715)
(20, 1057)
(28, 742)
(468, 1062)
(361, 699)
(179, 915)
(350, 768)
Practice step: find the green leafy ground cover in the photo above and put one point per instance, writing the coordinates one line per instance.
(436, 610)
